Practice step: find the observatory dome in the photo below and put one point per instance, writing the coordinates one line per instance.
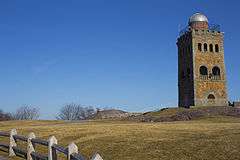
(198, 17)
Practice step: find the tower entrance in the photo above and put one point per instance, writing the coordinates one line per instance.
(211, 99)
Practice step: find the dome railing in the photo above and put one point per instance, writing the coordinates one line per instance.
(211, 27)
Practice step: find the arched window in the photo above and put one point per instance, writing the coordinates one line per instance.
(180, 54)
(216, 71)
(205, 47)
(200, 47)
(216, 48)
(189, 49)
(211, 96)
(183, 75)
(188, 72)
(203, 70)
(211, 48)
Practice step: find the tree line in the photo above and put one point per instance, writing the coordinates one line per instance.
(69, 111)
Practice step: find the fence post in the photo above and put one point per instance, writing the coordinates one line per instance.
(12, 142)
(96, 156)
(30, 146)
(72, 148)
(52, 154)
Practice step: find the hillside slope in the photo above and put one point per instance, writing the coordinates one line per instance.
(113, 114)
(184, 114)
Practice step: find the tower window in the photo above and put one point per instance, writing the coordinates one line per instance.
(211, 48)
(180, 54)
(216, 71)
(183, 75)
(188, 70)
(203, 71)
(188, 73)
(211, 96)
(200, 46)
(216, 48)
(205, 47)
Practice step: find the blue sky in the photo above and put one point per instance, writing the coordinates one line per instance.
(105, 53)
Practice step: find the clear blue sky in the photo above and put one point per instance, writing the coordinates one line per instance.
(106, 53)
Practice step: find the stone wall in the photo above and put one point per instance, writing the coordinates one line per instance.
(205, 87)
(185, 71)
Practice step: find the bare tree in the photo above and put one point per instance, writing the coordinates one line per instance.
(4, 116)
(75, 112)
(26, 112)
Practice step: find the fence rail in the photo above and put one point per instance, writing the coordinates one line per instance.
(71, 152)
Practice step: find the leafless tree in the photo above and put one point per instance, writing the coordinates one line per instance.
(75, 112)
(4, 116)
(26, 112)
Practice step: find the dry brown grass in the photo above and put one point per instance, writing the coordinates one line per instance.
(212, 138)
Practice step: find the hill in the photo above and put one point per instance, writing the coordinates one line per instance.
(113, 114)
(185, 114)
(169, 114)
(216, 138)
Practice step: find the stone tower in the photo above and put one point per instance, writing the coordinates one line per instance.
(201, 68)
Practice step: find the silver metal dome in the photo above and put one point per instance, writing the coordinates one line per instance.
(198, 17)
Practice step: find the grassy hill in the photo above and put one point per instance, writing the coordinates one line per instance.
(185, 114)
(206, 138)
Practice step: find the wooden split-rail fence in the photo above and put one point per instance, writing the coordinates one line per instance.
(29, 153)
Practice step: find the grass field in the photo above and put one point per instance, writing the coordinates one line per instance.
(206, 139)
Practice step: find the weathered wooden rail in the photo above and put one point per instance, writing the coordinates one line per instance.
(29, 153)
